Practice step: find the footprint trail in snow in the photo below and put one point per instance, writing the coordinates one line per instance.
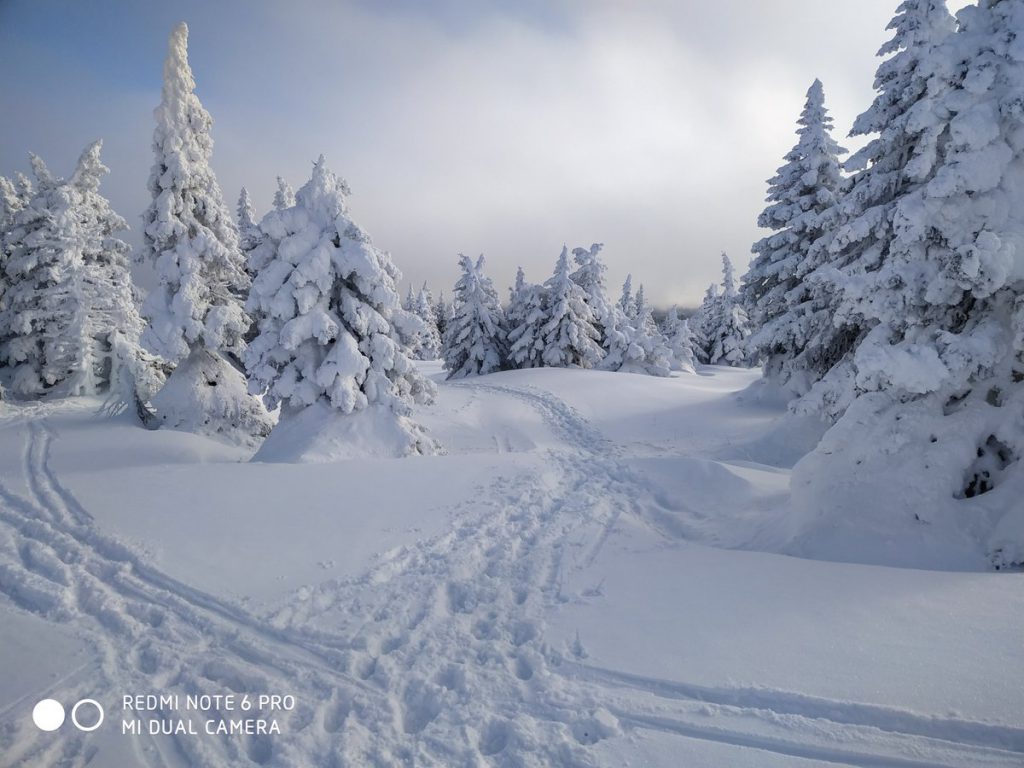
(436, 656)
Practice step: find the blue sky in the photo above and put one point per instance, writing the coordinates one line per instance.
(505, 128)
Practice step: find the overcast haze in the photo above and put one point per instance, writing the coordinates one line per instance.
(505, 128)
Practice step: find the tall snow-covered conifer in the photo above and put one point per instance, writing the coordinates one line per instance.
(71, 313)
(195, 318)
(590, 276)
(731, 326)
(526, 317)
(941, 291)
(569, 331)
(248, 229)
(802, 199)
(475, 341)
(428, 340)
(189, 235)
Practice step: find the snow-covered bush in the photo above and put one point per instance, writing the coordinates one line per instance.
(475, 340)
(329, 327)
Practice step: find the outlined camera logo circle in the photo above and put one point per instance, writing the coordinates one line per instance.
(49, 715)
(99, 719)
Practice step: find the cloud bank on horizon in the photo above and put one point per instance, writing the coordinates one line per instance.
(505, 128)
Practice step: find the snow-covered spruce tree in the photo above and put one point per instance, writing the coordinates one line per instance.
(725, 327)
(10, 204)
(475, 341)
(631, 349)
(194, 316)
(109, 356)
(248, 229)
(40, 303)
(428, 340)
(680, 342)
(937, 395)
(643, 313)
(908, 129)
(329, 349)
(569, 332)
(442, 312)
(626, 301)
(783, 310)
(951, 274)
(284, 197)
(590, 276)
(704, 323)
(526, 316)
(71, 310)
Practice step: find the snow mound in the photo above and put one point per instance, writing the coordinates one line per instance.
(935, 483)
(208, 396)
(319, 434)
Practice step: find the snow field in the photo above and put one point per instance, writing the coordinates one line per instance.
(541, 595)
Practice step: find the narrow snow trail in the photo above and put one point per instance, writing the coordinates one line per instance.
(154, 634)
(454, 626)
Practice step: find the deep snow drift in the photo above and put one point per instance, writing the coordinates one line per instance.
(596, 572)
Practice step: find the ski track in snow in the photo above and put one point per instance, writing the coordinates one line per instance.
(434, 656)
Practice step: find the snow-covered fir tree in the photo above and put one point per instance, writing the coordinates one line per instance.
(442, 312)
(627, 303)
(195, 312)
(643, 313)
(329, 314)
(728, 344)
(248, 229)
(590, 276)
(428, 340)
(526, 316)
(475, 341)
(40, 303)
(284, 196)
(569, 332)
(71, 313)
(631, 349)
(929, 401)
(786, 312)
(10, 204)
(703, 324)
(108, 328)
(680, 341)
(941, 295)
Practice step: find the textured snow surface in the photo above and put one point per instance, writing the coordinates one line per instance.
(589, 576)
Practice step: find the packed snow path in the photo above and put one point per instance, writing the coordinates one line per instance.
(437, 655)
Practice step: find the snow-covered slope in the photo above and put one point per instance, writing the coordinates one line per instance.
(588, 576)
